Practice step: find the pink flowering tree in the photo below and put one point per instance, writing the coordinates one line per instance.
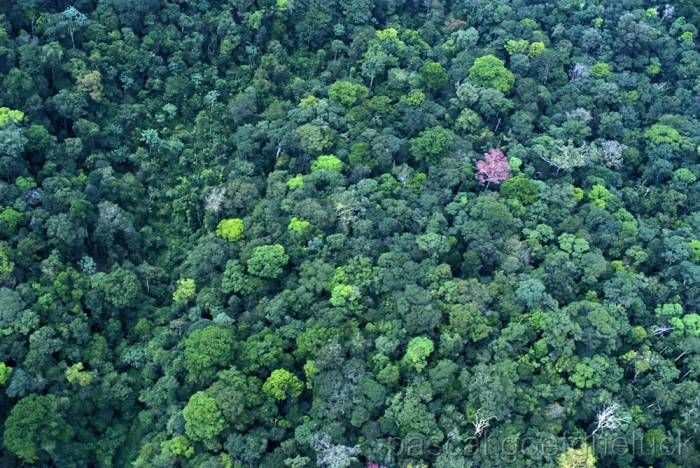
(493, 169)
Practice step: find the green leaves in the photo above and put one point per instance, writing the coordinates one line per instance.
(347, 93)
(10, 116)
(315, 138)
(77, 374)
(298, 226)
(230, 229)
(600, 196)
(659, 133)
(34, 427)
(344, 295)
(600, 70)
(5, 373)
(186, 290)
(203, 418)
(251, 234)
(268, 261)
(571, 244)
(590, 372)
(432, 144)
(418, 351)
(582, 457)
(520, 188)
(120, 287)
(207, 350)
(178, 446)
(490, 71)
(517, 46)
(282, 384)
(295, 182)
(434, 75)
(327, 162)
(10, 218)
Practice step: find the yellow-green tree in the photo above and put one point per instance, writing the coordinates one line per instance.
(489, 71)
(8, 115)
(186, 289)
(203, 417)
(582, 457)
(230, 229)
(77, 374)
(282, 384)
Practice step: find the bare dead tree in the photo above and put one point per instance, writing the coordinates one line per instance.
(691, 414)
(660, 330)
(579, 114)
(333, 456)
(608, 418)
(215, 199)
(611, 152)
(669, 10)
(481, 423)
(647, 358)
(656, 407)
(579, 72)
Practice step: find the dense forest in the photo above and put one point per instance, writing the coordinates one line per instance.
(349, 233)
